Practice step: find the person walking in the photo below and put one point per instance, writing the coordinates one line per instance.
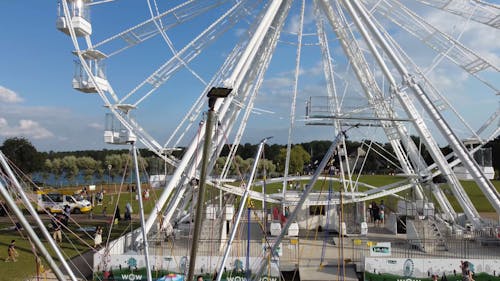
(12, 253)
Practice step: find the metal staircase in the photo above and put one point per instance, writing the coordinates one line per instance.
(438, 231)
(428, 235)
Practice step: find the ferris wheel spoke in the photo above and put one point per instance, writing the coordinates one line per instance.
(191, 50)
(413, 112)
(148, 29)
(194, 112)
(328, 68)
(442, 43)
(293, 105)
(259, 47)
(362, 18)
(134, 128)
(395, 131)
(488, 123)
(438, 99)
(257, 73)
(243, 123)
(230, 44)
(159, 24)
(478, 11)
(99, 2)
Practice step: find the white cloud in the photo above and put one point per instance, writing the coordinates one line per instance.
(294, 24)
(9, 96)
(28, 128)
(96, 126)
(240, 32)
(25, 126)
(50, 127)
(478, 37)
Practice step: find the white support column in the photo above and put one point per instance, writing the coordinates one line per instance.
(141, 212)
(243, 203)
(31, 233)
(294, 102)
(443, 200)
(303, 198)
(396, 133)
(479, 11)
(221, 108)
(420, 125)
(467, 160)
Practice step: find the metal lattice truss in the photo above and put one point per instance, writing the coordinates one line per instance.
(391, 89)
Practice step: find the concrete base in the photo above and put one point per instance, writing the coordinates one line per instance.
(327, 273)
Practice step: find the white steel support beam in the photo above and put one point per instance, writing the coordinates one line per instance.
(395, 131)
(432, 37)
(221, 106)
(141, 212)
(246, 92)
(476, 10)
(458, 147)
(189, 52)
(148, 29)
(38, 221)
(293, 215)
(293, 106)
(251, 89)
(420, 125)
(443, 200)
(243, 203)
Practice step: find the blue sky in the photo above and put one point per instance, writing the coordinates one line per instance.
(38, 102)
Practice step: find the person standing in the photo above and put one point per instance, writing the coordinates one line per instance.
(128, 211)
(381, 216)
(56, 225)
(375, 213)
(466, 271)
(117, 216)
(67, 214)
(382, 205)
(370, 212)
(12, 252)
(98, 237)
(381, 212)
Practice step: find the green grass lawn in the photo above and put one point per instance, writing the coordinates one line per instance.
(322, 185)
(25, 266)
(72, 245)
(476, 196)
(110, 200)
(390, 277)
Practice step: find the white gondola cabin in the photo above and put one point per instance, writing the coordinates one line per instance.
(293, 230)
(116, 133)
(275, 229)
(80, 17)
(86, 83)
(229, 212)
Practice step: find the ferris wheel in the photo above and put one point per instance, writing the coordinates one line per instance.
(393, 68)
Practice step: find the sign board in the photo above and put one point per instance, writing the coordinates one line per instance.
(91, 187)
(380, 249)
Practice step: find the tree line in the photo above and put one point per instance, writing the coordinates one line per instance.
(103, 164)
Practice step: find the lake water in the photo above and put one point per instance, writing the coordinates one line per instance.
(51, 180)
